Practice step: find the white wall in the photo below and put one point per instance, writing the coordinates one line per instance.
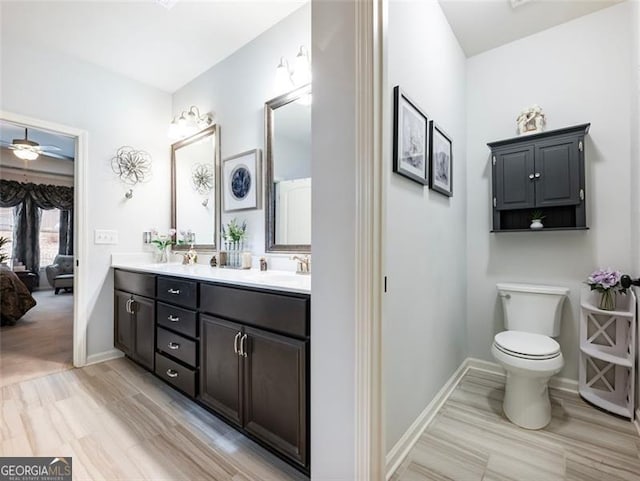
(333, 240)
(424, 311)
(115, 111)
(236, 90)
(578, 72)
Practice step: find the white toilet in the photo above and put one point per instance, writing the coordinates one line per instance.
(532, 316)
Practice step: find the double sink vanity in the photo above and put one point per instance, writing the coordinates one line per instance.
(235, 342)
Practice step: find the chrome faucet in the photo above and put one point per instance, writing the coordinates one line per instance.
(304, 264)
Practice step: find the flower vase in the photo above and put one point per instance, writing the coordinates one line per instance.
(607, 300)
(164, 255)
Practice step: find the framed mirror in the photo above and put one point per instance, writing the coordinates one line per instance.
(288, 172)
(195, 191)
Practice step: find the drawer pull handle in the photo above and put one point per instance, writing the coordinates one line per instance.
(173, 291)
(235, 343)
(243, 353)
(173, 319)
(173, 345)
(172, 373)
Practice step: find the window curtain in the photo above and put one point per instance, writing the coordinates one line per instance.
(28, 199)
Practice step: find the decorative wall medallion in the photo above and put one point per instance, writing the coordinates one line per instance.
(131, 166)
(241, 175)
(202, 178)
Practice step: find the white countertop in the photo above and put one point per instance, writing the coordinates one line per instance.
(274, 280)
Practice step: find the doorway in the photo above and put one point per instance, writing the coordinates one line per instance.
(47, 233)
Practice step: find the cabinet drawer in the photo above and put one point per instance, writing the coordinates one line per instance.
(178, 291)
(176, 346)
(135, 282)
(179, 376)
(285, 314)
(177, 319)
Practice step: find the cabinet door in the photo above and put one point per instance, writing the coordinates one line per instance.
(558, 163)
(514, 188)
(144, 321)
(220, 386)
(123, 323)
(275, 380)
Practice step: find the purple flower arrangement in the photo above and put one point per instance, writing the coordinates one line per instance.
(607, 283)
(604, 279)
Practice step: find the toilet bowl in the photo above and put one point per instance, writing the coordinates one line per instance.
(527, 351)
(530, 360)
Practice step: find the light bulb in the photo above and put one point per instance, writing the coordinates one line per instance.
(301, 68)
(26, 154)
(283, 77)
(173, 131)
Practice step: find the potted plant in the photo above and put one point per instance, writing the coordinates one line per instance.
(536, 220)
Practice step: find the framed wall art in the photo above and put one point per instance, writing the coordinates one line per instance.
(440, 161)
(410, 139)
(241, 174)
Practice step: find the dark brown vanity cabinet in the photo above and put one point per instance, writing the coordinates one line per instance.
(134, 322)
(540, 172)
(254, 368)
(242, 353)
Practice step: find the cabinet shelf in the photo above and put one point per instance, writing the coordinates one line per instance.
(607, 368)
(546, 229)
(543, 172)
(607, 357)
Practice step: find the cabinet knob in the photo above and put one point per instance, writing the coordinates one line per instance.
(531, 176)
(173, 345)
(173, 319)
(173, 291)
(537, 175)
(172, 373)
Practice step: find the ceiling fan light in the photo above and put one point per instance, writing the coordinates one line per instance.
(26, 154)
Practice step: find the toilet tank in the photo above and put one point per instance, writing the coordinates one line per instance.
(532, 308)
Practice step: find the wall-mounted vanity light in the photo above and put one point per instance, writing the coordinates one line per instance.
(188, 123)
(289, 78)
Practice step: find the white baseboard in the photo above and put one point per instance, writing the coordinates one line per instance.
(401, 449)
(399, 452)
(104, 356)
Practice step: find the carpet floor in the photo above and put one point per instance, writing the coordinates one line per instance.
(41, 342)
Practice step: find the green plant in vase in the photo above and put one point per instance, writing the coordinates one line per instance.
(536, 219)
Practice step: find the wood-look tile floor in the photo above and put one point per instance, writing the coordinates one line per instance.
(119, 422)
(41, 342)
(470, 439)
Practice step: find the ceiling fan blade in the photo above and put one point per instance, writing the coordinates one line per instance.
(49, 147)
(57, 156)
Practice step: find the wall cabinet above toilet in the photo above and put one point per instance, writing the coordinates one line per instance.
(540, 172)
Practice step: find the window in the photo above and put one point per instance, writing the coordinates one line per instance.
(6, 227)
(49, 236)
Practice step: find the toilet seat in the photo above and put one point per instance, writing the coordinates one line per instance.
(526, 345)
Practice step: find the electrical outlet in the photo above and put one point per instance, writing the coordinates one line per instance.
(102, 236)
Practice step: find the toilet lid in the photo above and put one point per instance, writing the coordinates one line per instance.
(527, 345)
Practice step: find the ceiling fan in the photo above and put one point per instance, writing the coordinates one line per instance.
(26, 149)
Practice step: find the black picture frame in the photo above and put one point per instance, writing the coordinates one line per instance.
(410, 138)
(440, 160)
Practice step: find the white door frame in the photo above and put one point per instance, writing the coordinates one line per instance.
(370, 31)
(80, 312)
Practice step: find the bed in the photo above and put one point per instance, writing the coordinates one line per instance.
(15, 298)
